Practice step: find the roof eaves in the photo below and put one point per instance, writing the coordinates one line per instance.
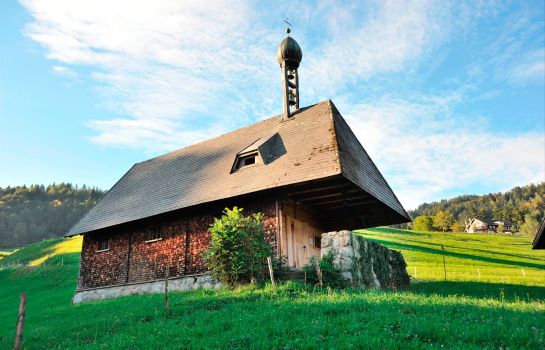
(333, 112)
(71, 232)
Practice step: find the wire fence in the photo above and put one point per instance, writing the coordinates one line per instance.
(488, 274)
(49, 260)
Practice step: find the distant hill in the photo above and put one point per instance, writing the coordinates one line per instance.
(30, 214)
(515, 205)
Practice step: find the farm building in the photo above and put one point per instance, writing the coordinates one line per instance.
(475, 225)
(305, 170)
(539, 240)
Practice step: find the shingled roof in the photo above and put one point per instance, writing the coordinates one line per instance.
(316, 144)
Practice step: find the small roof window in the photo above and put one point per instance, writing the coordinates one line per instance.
(244, 160)
(264, 150)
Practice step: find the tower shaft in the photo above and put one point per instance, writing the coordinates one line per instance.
(290, 89)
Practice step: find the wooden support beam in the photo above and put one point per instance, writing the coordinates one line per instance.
(347, 200)
(347, 194)
(354, 204)
(316, 189)
(309, 199)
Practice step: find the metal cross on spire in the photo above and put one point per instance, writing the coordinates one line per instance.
(288, 29)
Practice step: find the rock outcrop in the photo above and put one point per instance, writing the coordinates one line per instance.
(363, 263)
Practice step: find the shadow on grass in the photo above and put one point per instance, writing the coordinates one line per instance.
(28, 253)
(456, 255)
(492, 252)
(424, 236)
(481, 290)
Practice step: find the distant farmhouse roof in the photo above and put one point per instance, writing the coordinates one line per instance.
(539, 240)
(475, 224)
(316, 144)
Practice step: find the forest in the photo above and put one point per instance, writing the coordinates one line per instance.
(520, 205)
(37, 212)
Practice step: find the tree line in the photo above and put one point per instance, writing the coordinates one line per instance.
(37, 212)
(524, 206)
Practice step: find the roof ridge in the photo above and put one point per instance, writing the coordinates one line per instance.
(332, 110)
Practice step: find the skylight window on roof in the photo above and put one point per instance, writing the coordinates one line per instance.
(245, 160)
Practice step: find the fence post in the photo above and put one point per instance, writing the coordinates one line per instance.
(444, 262)
(269, 262)
(318, 272)
(20, 322)
(167, 305)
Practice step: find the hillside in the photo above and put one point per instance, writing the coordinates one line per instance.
(501, 309)
(513, 205)
(30, 214)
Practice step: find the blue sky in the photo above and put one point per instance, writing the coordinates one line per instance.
(448, 98)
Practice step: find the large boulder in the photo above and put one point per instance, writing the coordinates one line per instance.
(363, 263)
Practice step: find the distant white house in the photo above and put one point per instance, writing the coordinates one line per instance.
(475, 225)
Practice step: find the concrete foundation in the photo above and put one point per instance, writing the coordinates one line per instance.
(183, 283)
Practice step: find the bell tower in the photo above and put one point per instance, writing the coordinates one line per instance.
(289, 56)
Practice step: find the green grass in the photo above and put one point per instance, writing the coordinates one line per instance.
(4, 253)
(464, 313)
(468, 257)
(49, 250)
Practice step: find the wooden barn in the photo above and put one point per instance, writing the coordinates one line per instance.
(305, 170)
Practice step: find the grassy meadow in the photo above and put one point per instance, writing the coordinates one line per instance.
(500, 309)
(489, 258)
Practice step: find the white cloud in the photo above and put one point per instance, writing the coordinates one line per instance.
(161, 63)
(424, 148)
(531, 68)
(158, 135)
(172, 62)
(64, 71)
(393, 35)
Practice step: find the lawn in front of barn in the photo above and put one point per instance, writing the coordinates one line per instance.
(500, 309)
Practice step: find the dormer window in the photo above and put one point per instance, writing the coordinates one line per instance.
(262, 151)
(246, 160)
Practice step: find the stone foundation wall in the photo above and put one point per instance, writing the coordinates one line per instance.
(365, 264)
(174, 284)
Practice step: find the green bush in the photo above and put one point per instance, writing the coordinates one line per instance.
(331, 277)
(423, 223)
(238, 250)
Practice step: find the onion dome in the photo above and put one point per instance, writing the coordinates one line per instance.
(290, 52)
